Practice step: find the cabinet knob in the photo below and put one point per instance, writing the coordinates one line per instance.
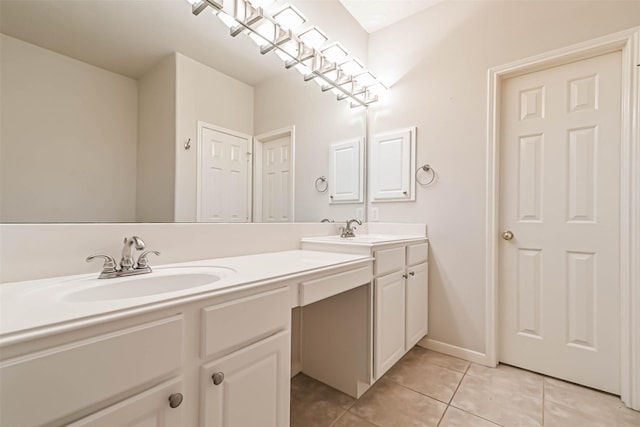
(175, 400)
(412, 273)
(217, 378)
(404, 276)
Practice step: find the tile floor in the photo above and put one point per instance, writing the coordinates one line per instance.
(429, 389)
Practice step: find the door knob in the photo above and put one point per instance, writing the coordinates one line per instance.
(507, 235)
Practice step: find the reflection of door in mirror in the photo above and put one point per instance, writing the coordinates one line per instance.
(274, 180)
(224, 171)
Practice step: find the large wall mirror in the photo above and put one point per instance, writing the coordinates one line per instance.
(118, 111)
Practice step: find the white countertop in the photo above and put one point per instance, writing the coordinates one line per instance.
(30, 308)
(368, 240)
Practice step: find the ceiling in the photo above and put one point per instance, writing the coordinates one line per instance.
(374, 15)
(129, 36)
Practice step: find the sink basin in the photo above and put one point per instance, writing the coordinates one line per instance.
(160, 281)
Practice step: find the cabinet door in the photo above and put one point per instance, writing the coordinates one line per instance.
(346, 172)
(148, 409)
(417, 304)
(389, 321)
(392, 162)
(252, 386)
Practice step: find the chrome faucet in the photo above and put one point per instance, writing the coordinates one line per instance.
(348, 230)
(127, 265)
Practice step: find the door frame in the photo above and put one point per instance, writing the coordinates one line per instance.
(628, 43)
(204, 125)
(258, 140)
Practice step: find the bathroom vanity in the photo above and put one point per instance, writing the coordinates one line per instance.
(86, 352)
(400, 290)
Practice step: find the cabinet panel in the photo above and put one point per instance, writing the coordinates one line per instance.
(229, 326)
(66, 379)
(315, 290)
(417, 253)
(148, 409)
(417, 304)
(255, 388)
(388, 260)
(389, 321)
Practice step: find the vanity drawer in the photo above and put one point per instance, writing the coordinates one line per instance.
(229, 326)
(417, 253)
(67, 379)
(315, 290)
(388, 260)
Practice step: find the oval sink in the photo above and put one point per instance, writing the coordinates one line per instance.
(160, 281)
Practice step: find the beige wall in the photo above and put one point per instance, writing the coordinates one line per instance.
(65, 127)
(437, 63)
(204, 94)
(156, 137)
(61, 249)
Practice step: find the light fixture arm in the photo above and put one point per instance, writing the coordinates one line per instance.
(329, 71)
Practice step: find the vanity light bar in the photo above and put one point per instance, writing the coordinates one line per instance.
(330, 67)
(199, 6)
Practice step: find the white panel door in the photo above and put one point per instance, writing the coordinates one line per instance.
(276, 180)
(253, 389)
(345, 172)
(417, 305)
(223, 177)
(559, 191)
(389, 321)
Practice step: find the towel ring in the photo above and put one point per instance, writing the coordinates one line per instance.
(426, 168)
(322, 185)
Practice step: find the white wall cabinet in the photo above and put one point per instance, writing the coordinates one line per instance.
(392, 162)
(346, 172)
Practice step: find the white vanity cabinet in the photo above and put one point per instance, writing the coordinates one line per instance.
(401, 302)
(247, 383)
(246, 388)
(78, 376)
(156, 369)
(149, 408)
(399, 291)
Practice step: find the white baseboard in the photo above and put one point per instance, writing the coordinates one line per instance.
(455, 351)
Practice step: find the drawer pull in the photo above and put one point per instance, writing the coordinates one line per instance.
(217, 378)
(412, 273)
(175, 400)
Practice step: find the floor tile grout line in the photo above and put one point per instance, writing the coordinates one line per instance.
(460, 409)
(417, 391)
(332, 423)
(442, 417)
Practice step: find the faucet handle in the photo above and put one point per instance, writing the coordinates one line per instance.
(109, 263)
(143, 262)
